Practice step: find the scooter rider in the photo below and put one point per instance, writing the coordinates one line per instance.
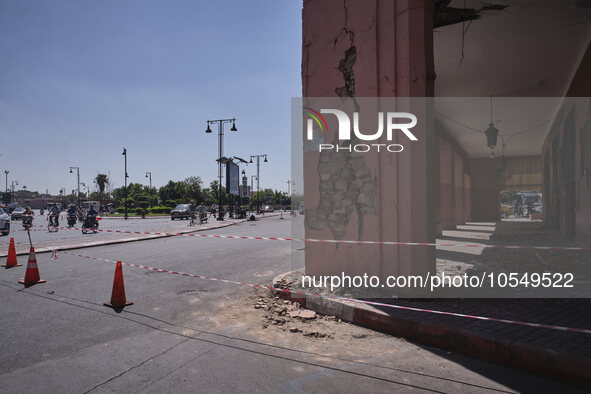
(90, 219)
(71, 209)
(54, 212)
(71, 214)
(28, 217)
(92, 211)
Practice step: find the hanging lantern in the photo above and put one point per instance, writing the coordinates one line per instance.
(491, 136)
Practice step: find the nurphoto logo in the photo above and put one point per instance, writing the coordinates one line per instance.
(392, 120)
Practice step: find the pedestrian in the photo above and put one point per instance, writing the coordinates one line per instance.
(202, 213)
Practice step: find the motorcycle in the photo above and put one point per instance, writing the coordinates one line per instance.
(71, 219)
(90, 224)
(52, 222)
(27, 221)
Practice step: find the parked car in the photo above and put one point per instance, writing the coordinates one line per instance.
(4, 222)
(11, 207)
(268, 208)
(17, 214)
(181, 211)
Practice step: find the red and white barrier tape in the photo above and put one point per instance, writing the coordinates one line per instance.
(396, 243)
(300, 293)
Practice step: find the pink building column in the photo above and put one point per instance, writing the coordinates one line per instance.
(467, 191)
(460, 194)
(380, 48)
(484, 204)
(448, 185)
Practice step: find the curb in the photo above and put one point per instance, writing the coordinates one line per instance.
(122, 240)
(534, 359)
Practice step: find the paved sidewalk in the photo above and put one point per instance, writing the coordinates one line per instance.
(551, 352)
(548, 352)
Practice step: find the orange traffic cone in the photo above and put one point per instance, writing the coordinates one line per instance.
(11, 258)
(32, 274)
(118, 295)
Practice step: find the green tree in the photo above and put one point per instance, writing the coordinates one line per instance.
(167, 192)
(508, 196)
(193, 189)
(215, 191)
(102, 180)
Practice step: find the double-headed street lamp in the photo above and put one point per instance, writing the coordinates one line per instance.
(78, 182)
(87, 190)
(12, 183)
(259, 177)
(220, 123)
(126, 176)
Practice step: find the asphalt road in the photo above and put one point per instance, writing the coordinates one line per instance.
(40, 232)
(186, 334)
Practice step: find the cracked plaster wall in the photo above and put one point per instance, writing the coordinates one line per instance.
(358, 49)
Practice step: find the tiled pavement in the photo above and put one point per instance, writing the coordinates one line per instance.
(560, 354)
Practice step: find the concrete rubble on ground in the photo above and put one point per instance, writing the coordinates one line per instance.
(290, 316)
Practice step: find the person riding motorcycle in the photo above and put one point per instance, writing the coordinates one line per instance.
(92, 211)
(90, 219)
(54, 214)
(71, 214)
(28, 217)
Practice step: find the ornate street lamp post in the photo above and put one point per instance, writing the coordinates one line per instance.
(220, 123)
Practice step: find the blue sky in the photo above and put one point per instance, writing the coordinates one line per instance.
(80, 80)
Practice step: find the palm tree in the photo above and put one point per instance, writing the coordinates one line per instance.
(101, 180)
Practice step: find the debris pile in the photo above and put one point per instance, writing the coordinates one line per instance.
(290, 316)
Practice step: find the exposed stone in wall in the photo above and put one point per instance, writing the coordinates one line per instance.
(346, 68)
(346, 184)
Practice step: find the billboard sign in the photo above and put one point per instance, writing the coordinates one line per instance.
(232, 178)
